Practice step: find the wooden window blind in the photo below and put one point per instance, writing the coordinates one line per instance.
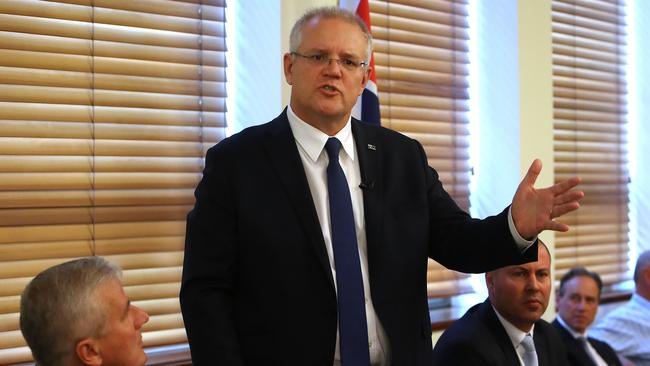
(589, 98)
(421, 62)
(106, 110)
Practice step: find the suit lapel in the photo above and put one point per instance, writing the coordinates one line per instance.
(369, 154)
(603, 350)
(499, 334)
(541, 346)
(283, 153)
(574, 349)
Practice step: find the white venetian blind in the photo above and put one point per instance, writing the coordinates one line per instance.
(422, 75)
(589, 96)
(106, 109)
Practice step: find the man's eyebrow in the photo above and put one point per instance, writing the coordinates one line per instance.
(126, 309)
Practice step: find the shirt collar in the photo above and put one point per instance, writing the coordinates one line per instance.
(566, 326)
(312, 140)
(642, 301)
(515, 334)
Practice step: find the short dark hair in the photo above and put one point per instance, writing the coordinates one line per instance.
(580, 272)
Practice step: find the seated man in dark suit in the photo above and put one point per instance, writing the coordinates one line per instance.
(577, 305)
(507, 328)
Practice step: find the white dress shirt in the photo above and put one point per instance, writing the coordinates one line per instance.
(311, 144)
(515, 335)
(311, 147)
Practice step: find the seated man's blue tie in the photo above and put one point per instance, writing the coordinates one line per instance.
(353, 328)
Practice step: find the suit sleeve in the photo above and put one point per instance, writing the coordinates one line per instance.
(462, 243)
(209, 269)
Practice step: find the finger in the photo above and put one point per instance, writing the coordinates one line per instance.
(571, 196)
(533, 172)
(563, 209)
(565, 185)
(557, 226)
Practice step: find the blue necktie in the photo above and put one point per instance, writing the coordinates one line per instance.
(353, 328)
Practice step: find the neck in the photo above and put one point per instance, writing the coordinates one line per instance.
(643, 292)
(524, 327)
(329, 125)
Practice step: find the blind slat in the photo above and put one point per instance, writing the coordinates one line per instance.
(421, 64)
(106, 111)
(590, 138)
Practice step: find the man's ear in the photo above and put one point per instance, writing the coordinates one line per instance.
(366, 78)
(288, 68)
(489, 280)
(87, 351)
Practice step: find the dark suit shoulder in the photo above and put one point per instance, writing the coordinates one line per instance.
(254, 135)
(475, 339)
(576, 353)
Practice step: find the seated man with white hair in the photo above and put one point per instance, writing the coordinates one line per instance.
(77, 313)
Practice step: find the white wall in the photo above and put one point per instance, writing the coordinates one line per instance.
(641, 178)
(253, 63)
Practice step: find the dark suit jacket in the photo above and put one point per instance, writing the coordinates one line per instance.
(577, 354)
(257, 287)
(478, 338)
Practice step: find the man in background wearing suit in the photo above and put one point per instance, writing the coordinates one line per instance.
(577, 305)
(309, 239)
(507, 328)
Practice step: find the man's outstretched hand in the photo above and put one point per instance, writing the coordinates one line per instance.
(534, 210)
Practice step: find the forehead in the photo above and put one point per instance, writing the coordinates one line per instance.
(543, 262)
(333, 34)
(111, 292)
(581, 284)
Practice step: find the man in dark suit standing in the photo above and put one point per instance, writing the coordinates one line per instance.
(285, 267)
(500, 331)
(577, 305)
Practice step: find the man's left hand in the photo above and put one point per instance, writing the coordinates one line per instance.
(534, 210)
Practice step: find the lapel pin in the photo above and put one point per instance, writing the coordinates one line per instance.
(372, 147)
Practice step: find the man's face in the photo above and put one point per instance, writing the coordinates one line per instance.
(121, 343)
(579, 302)
(520, 293)
(323, 95)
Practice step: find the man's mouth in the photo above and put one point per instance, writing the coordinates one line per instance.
(330, 89)
(533, 302)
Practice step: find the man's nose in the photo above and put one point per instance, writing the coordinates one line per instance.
(533, 283)
(333, 66)
(141, 317)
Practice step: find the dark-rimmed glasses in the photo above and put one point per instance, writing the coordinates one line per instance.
(318, 59)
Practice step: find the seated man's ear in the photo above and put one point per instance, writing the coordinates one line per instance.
(87, 351)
